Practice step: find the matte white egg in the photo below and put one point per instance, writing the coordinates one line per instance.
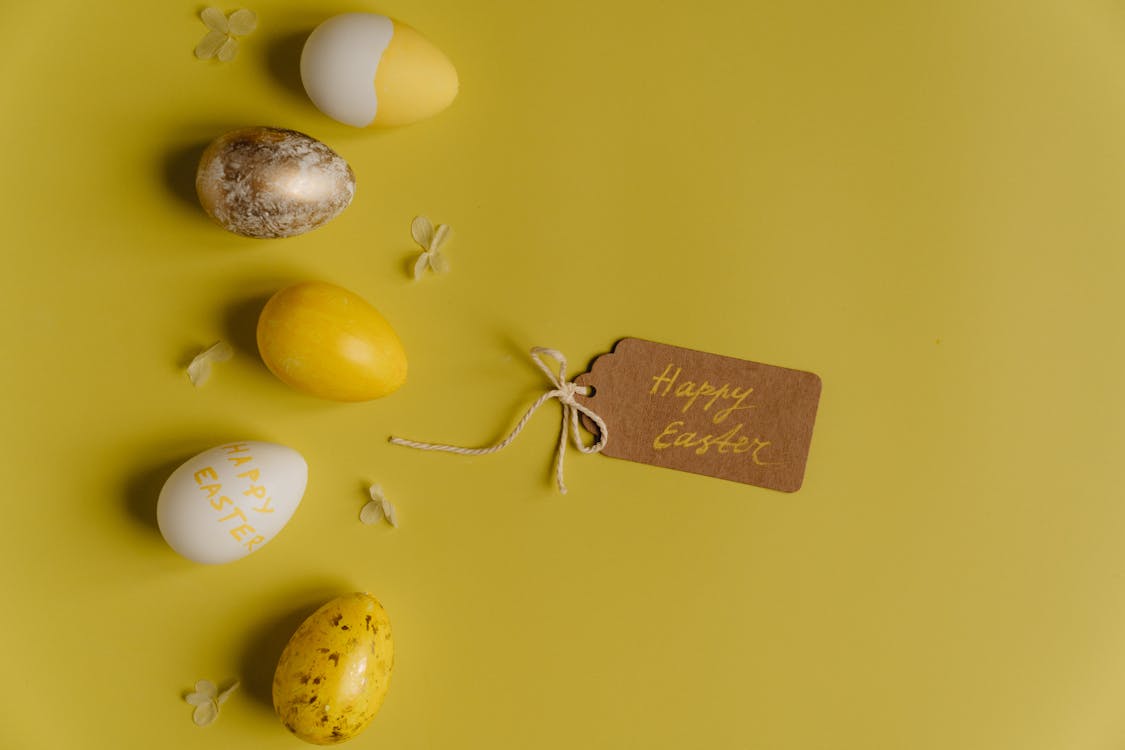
(231, 500)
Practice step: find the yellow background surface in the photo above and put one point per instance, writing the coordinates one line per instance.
(920, 202)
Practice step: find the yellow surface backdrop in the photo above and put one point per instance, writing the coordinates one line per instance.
(920, 202)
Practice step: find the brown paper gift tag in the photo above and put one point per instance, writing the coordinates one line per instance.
(704, 413)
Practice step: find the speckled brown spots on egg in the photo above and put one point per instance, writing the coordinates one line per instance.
(351, 670)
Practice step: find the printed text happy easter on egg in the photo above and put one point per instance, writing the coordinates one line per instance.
(243, 532)
(728, 399)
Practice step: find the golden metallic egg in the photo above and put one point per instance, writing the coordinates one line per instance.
(269, 182)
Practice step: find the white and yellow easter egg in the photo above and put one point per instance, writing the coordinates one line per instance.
(367, 70)
(231, 500)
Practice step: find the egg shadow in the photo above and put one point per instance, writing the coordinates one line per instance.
(142, 490)
(179, 166)
(408, 262)
(283, 61)
(240, 322)
(263, 645)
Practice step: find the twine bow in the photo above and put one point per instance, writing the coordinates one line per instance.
(565, 391)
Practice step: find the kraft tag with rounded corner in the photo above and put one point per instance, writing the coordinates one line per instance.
(704, 413)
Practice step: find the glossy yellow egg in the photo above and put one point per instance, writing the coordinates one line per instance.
(334, 673)
(365, 69)
(329, 342)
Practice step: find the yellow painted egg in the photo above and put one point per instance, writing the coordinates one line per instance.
(269, 182)
(334, 673)
(364, 69)
(327, 341)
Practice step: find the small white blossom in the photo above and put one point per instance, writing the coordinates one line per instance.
(379, 508)
(221, 42)
(199, 370)
(430, 240)
(207, 699)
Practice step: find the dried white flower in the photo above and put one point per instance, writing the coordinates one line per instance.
(380, 508)
(221, 41)
(199, 371)
(207, 699)
(430, 240)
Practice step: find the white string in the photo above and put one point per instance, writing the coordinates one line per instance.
(564, 391)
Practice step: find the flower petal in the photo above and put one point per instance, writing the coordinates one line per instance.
(420, 266)
(371, 513)
(221, 698)
(210, 44)
(242, 22)
(376, 492)
(440, 236)
(214, 19)
(206, 687)
(199, 371)
(228, 51)
(205, 713)
(197, 699)
(390, 513)
(422, 230)
(220, 351)
(438, 262)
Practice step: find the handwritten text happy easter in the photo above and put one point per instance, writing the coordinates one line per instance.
(726, 400)
(207, 479)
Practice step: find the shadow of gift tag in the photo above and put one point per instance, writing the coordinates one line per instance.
(688, 410)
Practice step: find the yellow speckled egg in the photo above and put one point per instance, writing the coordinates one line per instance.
(327, 341)
(334, 673)
(365, 69)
